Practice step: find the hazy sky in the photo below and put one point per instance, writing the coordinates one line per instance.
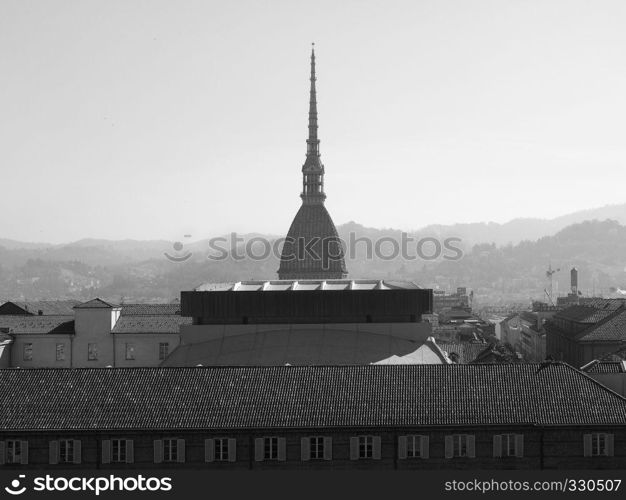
(153, 119)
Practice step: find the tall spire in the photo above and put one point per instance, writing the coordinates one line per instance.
(313, 170)
(313, 143)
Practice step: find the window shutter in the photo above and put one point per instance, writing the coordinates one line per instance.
(497, 446)
(328, 448)
(402, 448)
(180, 451)
(449, 447)
(24, 452)
(2, 453)
(106, 451)
(158, 451)
(232, 450)
(609, 444)
(130, 451)
(354, 448)
(471, 445)
(259, 452)
(282, 449)
(78, 452)
(376, 448)
(305, 449)
(587, 445)
(425, 446)
(519, 445)
(53, 452)
(209, 450)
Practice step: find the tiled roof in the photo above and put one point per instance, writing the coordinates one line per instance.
(603, 367)
(150, 323)
(150, 309)
(584, 314)
(95, 304)
(467, 351)
(612, 328)
(36, 324)
(47, 307)
(296, 397)
(306, 284)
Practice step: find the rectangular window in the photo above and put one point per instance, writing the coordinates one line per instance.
(221, 449)
(508, 445)
(164, 348)
(130, 351)
(28, 352)
(316, 448)
(366, 446)
(118, 450)
(414, 446)
(60, 352)
(170, 450)
(270, 447)
(460, 445)
(13, 451)
(66, 451)
(92, 352)
(599, 444)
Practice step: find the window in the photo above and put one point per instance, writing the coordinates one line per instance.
(221, 450)
(413, 446)
(28, 352)
(92, 352)
(170, 450)
(16, 452)
(598, 444)
(60, 352)
(508, 445)
(365, 447)
(164, 348)
(460, 445)
(118, 450)
(270, 448)
(130, 351)
(316, 447)
(66, 451)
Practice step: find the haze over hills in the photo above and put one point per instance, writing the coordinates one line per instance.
(501, 262)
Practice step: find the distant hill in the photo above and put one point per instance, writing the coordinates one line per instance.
(501, 262)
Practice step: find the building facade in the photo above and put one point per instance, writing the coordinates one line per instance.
(97, 335)
(305, 322)
(525, 416)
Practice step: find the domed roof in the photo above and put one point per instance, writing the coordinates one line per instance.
(312, 249)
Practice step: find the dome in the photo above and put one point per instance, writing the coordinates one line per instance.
(312, 249)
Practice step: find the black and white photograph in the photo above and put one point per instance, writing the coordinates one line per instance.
(331, 248)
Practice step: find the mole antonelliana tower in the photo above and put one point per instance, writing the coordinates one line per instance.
(312, 249)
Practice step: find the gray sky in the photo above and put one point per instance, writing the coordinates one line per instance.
(153, 119)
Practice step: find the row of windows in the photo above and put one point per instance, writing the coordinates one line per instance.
(273, 448)
(92, 351)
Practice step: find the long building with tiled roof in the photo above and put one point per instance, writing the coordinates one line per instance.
(383, 416)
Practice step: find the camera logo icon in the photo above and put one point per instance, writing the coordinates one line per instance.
(15, 489)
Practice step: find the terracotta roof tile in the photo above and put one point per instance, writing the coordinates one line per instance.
(296, 397)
